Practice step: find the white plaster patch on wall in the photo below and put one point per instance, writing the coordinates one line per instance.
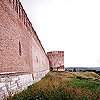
(39, 75)
(13, 84)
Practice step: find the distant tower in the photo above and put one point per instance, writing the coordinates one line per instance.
(56, 60)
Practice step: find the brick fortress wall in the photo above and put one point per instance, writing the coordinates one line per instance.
(56, 60)
(22, 57)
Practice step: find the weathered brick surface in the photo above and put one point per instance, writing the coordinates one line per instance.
(56, 59)
(11, 32)
(23, 60)
(20, 47)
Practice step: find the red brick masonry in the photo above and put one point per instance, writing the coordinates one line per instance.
(56, 60)
(20, 47)
(23, 59)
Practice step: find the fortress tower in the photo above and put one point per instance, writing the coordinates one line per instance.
(56, 60)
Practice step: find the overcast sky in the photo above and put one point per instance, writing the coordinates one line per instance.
(72, 26)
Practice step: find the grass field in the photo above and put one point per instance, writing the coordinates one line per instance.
(63, 86)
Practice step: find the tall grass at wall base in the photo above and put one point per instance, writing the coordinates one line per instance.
(61, 86)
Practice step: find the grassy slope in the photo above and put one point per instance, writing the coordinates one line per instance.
(63, 86)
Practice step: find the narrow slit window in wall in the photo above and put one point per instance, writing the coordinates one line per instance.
(19, 48)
